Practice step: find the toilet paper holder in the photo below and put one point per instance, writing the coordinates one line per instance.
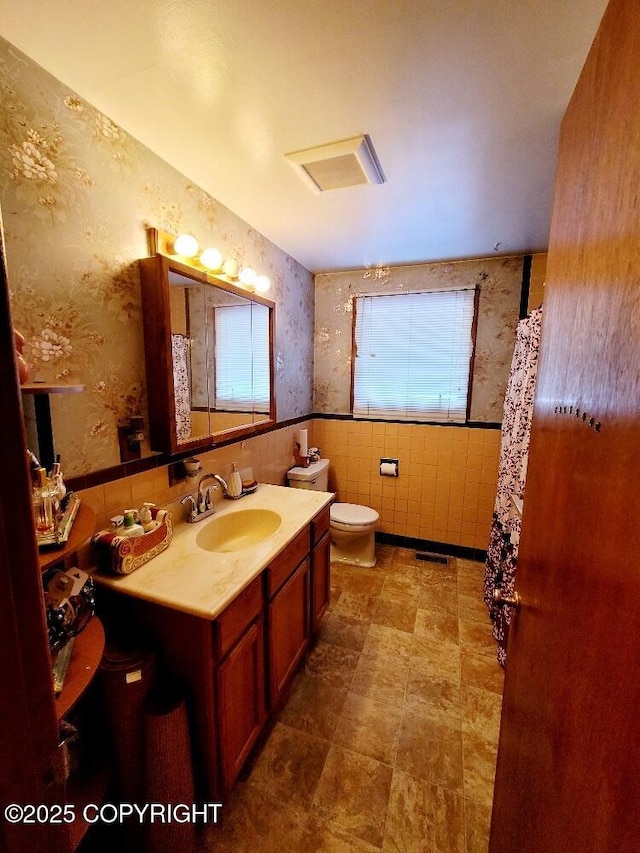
(389, 467)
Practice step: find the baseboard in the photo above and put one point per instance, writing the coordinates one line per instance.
(428, 545)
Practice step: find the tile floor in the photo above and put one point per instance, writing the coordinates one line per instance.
(388, 739)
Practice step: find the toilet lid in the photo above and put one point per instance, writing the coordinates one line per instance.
(353, 514)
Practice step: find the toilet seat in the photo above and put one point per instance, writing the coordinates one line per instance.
(353, 515)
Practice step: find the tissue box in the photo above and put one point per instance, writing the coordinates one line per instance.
(124, 554)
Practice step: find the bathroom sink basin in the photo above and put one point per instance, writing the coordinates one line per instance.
(237, 530)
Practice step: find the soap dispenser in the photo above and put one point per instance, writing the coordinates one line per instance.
(234, 486)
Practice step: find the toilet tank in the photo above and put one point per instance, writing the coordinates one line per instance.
(316, 476)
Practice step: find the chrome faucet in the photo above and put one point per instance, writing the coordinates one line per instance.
(223, 483)
(205, 501)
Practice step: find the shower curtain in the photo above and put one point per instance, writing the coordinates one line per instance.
(502, 552)
(181, 387)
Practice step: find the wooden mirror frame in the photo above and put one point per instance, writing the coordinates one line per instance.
(156, 314)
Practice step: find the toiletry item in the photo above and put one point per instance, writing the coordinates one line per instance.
(42, 500)
(145, 518)
(234, 486)
(57, 483)
(314, 454)
(303, 442)
(192, 466)
(130, 527)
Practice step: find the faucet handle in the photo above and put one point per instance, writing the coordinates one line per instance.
(208, 498)
(193, 512)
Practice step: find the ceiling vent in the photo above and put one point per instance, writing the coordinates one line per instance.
(337, 165)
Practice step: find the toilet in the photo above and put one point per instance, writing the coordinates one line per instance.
(352, 526)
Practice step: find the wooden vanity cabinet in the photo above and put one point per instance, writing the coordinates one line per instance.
(320, 567)
(239, 680)
(239, 666)
(287, 582)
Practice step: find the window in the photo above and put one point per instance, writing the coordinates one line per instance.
(413, 355)
(241, 359)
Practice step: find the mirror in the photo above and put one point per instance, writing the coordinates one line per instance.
(209, 355)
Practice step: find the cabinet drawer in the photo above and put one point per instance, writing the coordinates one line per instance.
(320, 525)
(237, 616)
(286, 562)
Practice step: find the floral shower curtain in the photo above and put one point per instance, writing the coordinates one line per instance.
(502, 553)
(181, 386)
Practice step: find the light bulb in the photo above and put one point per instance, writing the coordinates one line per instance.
(230, 268)
(186, 245)
(211, 259)
(248, 276)
(263, 283)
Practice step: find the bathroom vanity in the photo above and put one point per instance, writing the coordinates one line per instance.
(234, 620)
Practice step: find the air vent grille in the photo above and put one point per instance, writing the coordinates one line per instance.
(338, 165)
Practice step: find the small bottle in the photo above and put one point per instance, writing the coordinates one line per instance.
(145, 518)
(42, 499)
(234, 486)
(130, 527)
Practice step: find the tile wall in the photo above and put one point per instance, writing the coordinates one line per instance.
(444, 493)
(447, 476)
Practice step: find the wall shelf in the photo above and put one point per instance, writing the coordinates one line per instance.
(85, 659)
(82, 530)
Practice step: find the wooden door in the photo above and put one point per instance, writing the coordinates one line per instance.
(29, 732)
(567, 776)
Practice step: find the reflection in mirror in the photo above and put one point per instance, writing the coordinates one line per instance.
(215, 352)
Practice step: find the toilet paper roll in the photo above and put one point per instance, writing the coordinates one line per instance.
(303, 441)
(389, 469)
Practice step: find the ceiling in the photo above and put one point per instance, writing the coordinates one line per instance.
(462, 100)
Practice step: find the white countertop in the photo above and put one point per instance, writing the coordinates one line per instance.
(188, 578)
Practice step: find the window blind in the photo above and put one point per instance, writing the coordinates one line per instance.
(242, 358)
(413, 355)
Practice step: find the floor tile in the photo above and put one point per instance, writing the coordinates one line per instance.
(479, 768)
(380, 678)
(477, 819)
(439, 659)
(344, 631)
(353, 793)
(388, 642)
(437, 698)
(399, 584)
(314, 706)
(481, 712)
(478, 637)
(436, 625)
(396, 612)
(356, 605)
(364, 581)
(320, 837)
(289, 766)
(369, 727)
(429, 751)
(334, 664)
(422, 818)
(480, 670)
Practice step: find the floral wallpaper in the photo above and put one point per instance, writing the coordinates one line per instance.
(499, 280)
(77, 194)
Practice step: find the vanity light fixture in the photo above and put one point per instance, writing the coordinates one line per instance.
(231, 268)
(185, 248)
(211, 259)
(186, 245)
(247, 277)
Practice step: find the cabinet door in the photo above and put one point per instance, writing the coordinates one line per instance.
(288, 630)
(241, 700)
(320, 580)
